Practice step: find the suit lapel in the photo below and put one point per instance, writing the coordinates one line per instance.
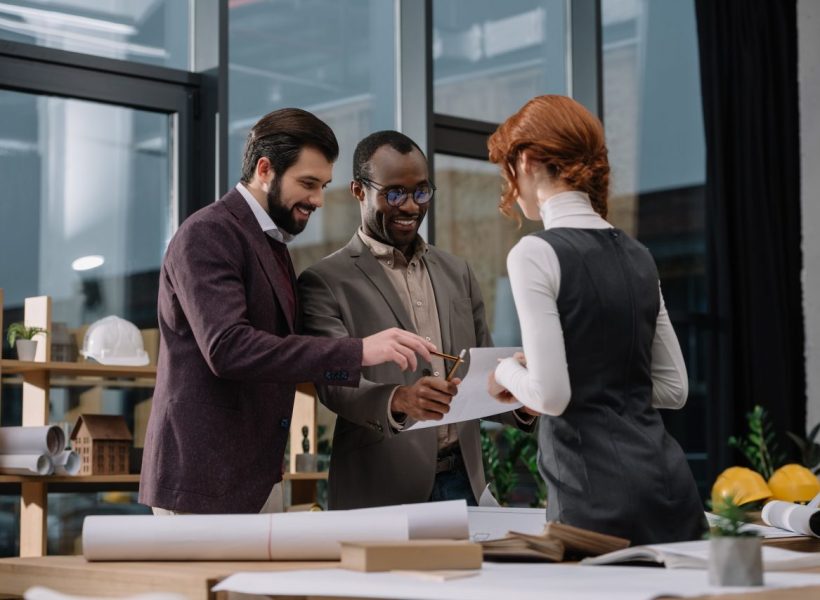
(440, 287)
(367, 264)
(235, 203)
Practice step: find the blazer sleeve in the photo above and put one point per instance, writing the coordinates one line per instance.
(365, 405)
(208, 283)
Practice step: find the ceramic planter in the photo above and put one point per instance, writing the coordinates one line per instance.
(735, 561)
(306, 463)
(26, 349)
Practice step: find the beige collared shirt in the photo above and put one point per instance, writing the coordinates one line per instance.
(412, 283)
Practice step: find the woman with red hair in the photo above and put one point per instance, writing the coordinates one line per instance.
(601, 354)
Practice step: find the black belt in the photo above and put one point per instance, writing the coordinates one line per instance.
(449, 461)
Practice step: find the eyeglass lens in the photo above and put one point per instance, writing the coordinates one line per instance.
(398, 195)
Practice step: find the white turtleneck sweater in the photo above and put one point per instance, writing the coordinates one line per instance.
(535, 278)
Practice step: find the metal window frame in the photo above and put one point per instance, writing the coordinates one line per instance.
(46, 71)
(467, 138)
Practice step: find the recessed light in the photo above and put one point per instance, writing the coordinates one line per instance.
(86, 263)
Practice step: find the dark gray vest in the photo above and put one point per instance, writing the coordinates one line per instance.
(609, 464)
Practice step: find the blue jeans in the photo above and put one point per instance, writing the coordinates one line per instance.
(453, 485)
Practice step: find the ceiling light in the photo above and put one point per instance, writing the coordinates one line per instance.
(86, 263)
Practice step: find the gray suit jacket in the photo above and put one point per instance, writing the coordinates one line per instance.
(348, 294)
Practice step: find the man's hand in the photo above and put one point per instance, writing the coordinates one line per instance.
(426, 400)
(395, 345)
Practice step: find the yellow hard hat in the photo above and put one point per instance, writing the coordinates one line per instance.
(740, 483)
(794, 483)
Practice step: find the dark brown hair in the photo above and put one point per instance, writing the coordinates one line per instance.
(280, 136)
(562, 135)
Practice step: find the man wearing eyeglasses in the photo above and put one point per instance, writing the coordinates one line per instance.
(388, 276)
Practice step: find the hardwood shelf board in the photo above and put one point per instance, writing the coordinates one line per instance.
(75, 369)
(75, 479)
(306, 476)
(85, 382)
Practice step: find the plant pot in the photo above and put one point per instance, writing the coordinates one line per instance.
(26, 349)
(306, 463)
(735, 561)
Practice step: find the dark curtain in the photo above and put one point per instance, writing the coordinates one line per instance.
(748, 60)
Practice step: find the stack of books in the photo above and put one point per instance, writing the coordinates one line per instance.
(556, 543)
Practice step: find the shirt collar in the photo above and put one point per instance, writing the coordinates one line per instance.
(572, 208)
(262, 217)
(384, 251)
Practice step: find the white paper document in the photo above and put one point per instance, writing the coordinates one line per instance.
(67, 462)
(695, 555)
(493, 523)
(48, 439)
(764, 531)
(795, 518)
(428, 520)
(473, 401)
(26, 464)
(281, 536)
(501, 580)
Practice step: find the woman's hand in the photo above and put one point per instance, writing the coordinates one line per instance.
(498, 391)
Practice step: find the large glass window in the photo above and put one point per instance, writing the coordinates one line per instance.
(654, 128)
(83, 180)
(86, 211)
(335, 58)
(146, 31)
(468, 224)
(491, 57)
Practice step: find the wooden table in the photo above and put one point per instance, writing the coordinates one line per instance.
(74, 575)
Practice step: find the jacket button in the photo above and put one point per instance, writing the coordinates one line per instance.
(285, 423)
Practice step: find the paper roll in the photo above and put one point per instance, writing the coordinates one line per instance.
(67, 462)
(282, 536)
(48, 439)
(431, 520)
(26, 464)
(801, 519)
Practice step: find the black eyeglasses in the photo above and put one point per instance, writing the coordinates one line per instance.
(397, 195)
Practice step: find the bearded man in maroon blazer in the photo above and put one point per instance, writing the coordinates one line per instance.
(230, 349)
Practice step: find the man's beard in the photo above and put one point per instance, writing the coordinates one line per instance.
(281, 215)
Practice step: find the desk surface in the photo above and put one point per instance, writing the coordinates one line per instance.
(74, 575)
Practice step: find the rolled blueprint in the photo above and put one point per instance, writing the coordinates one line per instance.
(281, 536)
(26, 464)
(49, 439)
(67, 462)
(792, 517)
(431, 520)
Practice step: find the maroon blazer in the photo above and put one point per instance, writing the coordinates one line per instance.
(229, 362)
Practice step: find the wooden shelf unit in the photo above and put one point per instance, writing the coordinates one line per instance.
(38, 376)
(75, 369)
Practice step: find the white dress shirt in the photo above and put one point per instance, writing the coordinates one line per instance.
(262, 217)
(535, 277)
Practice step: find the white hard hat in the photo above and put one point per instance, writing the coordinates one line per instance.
(114, 341)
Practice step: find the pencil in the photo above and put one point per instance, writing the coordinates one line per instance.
(458, 360)
(442, 355)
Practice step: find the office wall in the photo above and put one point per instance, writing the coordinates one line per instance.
(808, 24)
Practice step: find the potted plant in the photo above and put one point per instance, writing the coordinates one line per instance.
(735, 556)
(20, 336)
